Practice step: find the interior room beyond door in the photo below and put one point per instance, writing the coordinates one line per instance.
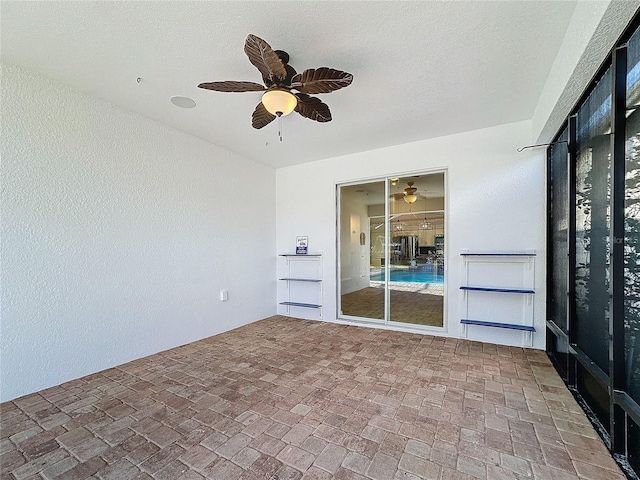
(392, 251)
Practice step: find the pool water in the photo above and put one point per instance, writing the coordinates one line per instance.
(415, 276)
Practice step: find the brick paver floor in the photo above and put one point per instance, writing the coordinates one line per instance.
(285, 398)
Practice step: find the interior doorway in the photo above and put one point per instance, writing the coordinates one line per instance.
(392, 251)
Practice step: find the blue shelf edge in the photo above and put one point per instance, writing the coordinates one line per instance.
(497, 254)
(298, 304)
(511, 326)
(314, 280)
(502, 290)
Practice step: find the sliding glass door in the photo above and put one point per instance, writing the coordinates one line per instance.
(392, 255)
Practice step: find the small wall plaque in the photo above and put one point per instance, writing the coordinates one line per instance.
(302, 243)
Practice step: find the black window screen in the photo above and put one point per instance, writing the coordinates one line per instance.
(559, 213)
(592, 223)
(593, 263)
(632, 222)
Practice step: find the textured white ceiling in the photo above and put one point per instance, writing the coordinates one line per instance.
(421, 69)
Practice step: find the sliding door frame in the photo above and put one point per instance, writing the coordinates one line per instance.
(386, 321)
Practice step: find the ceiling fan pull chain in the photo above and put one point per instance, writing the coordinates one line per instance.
(280, 127)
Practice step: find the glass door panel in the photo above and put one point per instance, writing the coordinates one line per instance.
(416, 250)
(362, 253)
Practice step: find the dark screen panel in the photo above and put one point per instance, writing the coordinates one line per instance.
(633, 444)
(592, 223)
(559, 218)
(633, 70)
(595, 395)
(558, 351)
(632, 223)
(594, 245)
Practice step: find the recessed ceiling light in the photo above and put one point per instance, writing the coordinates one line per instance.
(183, 102)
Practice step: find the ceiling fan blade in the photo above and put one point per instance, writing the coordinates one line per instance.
(261, 117)
(313, 108)
(321, 80)
(232, 86)
(262, 56)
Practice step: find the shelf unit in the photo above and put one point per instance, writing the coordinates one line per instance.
(303, 281)
(508, 275)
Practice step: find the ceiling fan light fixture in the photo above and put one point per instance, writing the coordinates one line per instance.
(279, 102)
(279, 78)
(410, 193)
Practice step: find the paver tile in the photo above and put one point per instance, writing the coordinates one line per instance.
(331, 457)
(296, 457)
(289, 399)
(382, 467)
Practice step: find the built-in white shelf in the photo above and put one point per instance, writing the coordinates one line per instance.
(511, 326)
(498, 273)
(499, 254)
(500, 290)
(299, 304)
(303, 279)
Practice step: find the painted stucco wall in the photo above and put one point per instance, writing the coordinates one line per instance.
(495, 202)
(118, 234)
(593, 30)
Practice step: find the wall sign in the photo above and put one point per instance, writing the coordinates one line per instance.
(301, 245)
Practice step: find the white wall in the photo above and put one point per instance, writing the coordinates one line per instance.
(496, 201)
(355, 258)
(117, 235)
(593, 30)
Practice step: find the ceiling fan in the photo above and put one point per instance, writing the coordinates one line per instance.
(408, 194)
(280, 80)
